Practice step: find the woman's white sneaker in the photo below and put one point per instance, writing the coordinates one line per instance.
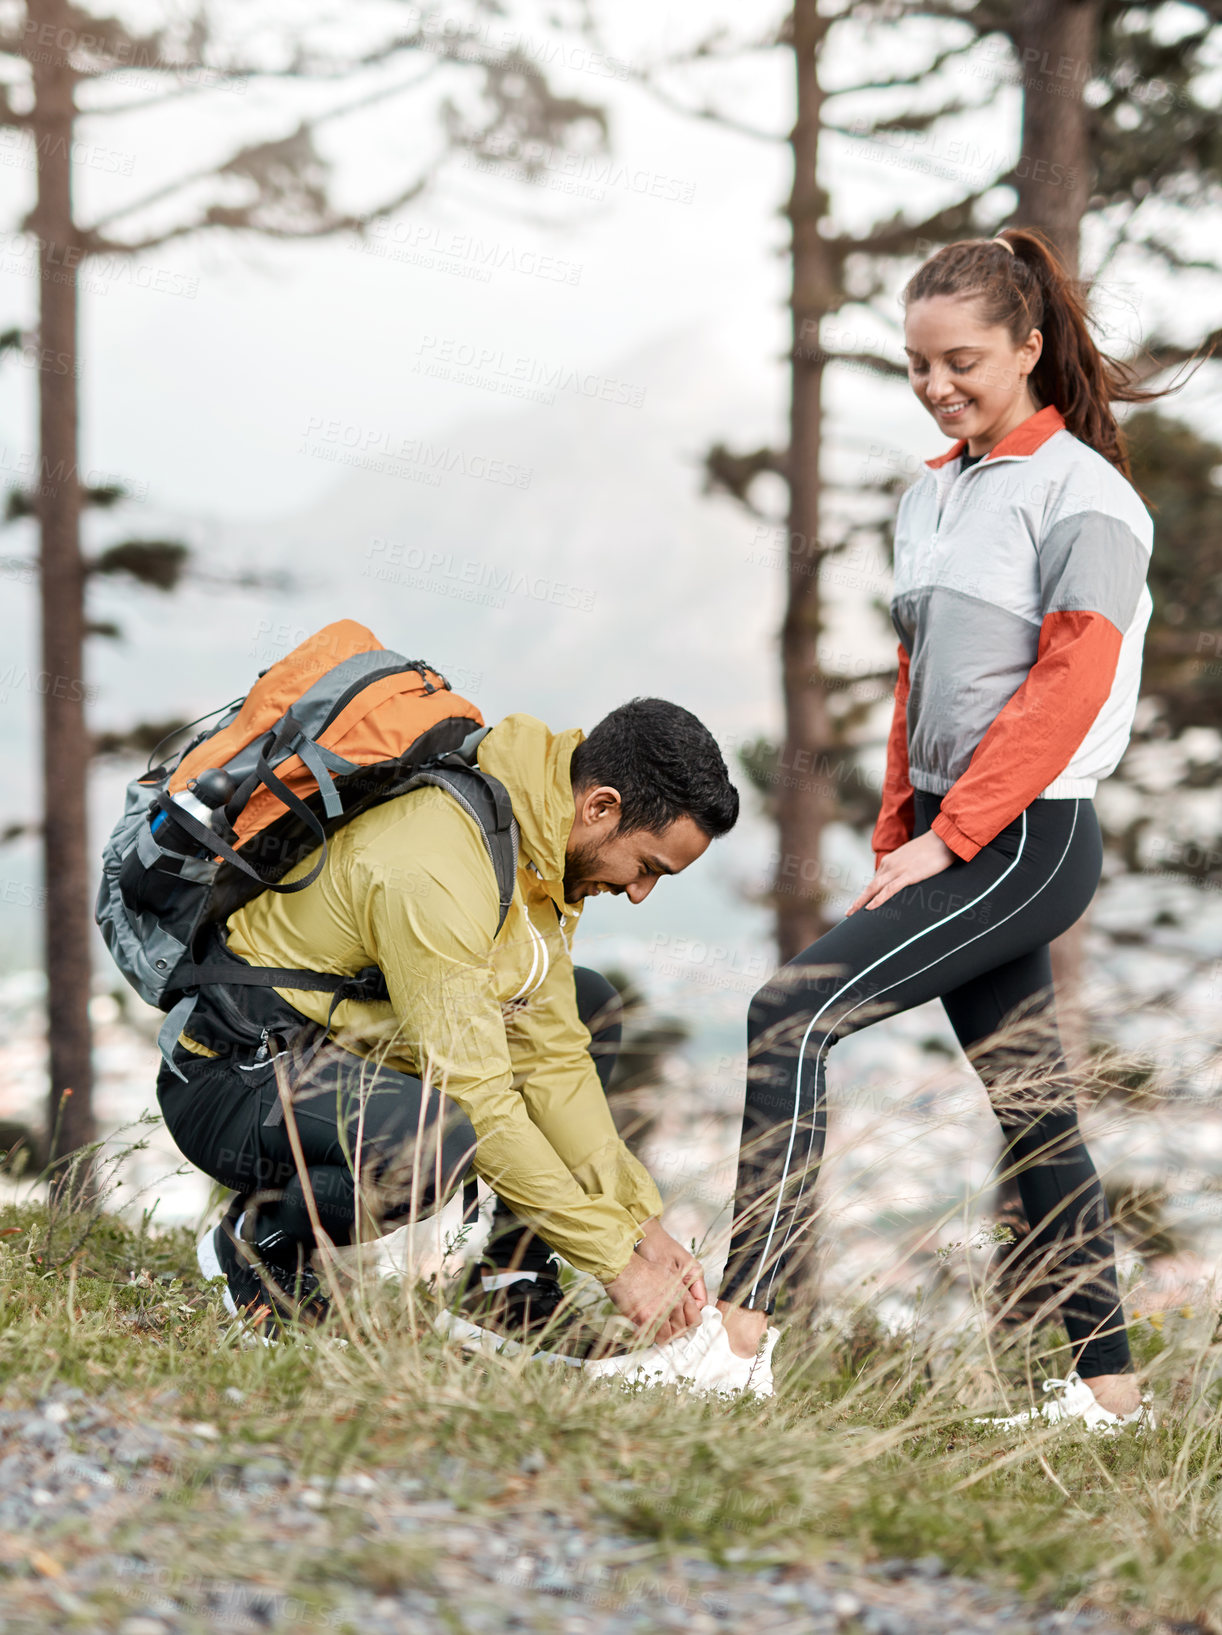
(699, 1360)
(1072, 1398)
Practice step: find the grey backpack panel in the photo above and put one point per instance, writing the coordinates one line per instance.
(144, 946)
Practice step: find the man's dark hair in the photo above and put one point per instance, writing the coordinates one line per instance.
(665, 764)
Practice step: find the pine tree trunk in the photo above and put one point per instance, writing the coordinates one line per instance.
(65, 744)
(804, 802)
(1057, 43)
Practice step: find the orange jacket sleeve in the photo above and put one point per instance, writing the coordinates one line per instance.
(895, 817)
(1035, 734)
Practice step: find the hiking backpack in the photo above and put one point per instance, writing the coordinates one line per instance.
(337, 726)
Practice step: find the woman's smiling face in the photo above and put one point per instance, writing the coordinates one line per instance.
(969, 375)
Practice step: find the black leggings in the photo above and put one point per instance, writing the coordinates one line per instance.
(975, 936)
(351, 1114)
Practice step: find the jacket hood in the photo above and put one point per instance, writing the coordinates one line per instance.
(532, 762)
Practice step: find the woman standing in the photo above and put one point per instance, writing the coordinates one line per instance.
(1020, 603)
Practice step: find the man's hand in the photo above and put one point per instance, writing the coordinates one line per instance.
(658, 1246)
(916, 860)
(653, 1299)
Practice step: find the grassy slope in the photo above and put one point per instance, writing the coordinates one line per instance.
(868, 1446)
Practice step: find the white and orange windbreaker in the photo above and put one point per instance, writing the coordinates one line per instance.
(1021, 605)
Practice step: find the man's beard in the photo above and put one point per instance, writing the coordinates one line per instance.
(581, 868)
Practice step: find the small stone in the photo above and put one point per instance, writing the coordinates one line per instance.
(142, 1626)
(815, 1599)
(209, 1433)
(232, 1394)
(264, 1473)
(57, 1412)
(130, 1449)
(43, 1433)
(886, 1621)
(311, 1498)
(929, 1567)
(532, 1463)
(845, 1605)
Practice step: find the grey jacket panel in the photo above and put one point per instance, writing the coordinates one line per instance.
(952, 705)
(1093, 563)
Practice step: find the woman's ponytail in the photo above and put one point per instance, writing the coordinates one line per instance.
(1023, 283)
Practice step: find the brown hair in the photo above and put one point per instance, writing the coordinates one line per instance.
(1027, 286)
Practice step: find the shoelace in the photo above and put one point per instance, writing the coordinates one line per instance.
(690, 1347)
(1074, 1382)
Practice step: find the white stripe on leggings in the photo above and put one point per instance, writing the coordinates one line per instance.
(870, 997)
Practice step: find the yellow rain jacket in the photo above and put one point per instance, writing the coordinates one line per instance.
(409, 886)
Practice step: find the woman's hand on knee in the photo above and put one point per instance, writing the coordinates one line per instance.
(915, 860)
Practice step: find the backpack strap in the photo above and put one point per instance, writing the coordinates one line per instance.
(217, 847)
(486, 800)
(366, 984)
(483, 797)
(291, 737)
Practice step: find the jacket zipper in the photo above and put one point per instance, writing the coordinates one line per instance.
(944, 508)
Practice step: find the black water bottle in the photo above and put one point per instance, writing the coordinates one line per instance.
(200, 799)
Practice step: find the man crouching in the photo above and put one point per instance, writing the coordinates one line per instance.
(497, 1019)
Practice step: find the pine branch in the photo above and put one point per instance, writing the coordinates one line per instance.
(244, 218)
(717, 46)
(709, 114)
(984, 18)
(101, 39)
(733, 474)
(916, 122)
(273, 163)
(1174, 259)
(289, 176)
(918, 77)
(158, 563)
(899, 237)
(153, 54)
(173, 94)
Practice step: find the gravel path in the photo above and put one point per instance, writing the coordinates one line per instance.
(87, 1543)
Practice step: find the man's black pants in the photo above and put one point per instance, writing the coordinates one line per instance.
(410, 1150)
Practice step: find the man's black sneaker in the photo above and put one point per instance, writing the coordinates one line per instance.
(521, 1309)
(267, 1283)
